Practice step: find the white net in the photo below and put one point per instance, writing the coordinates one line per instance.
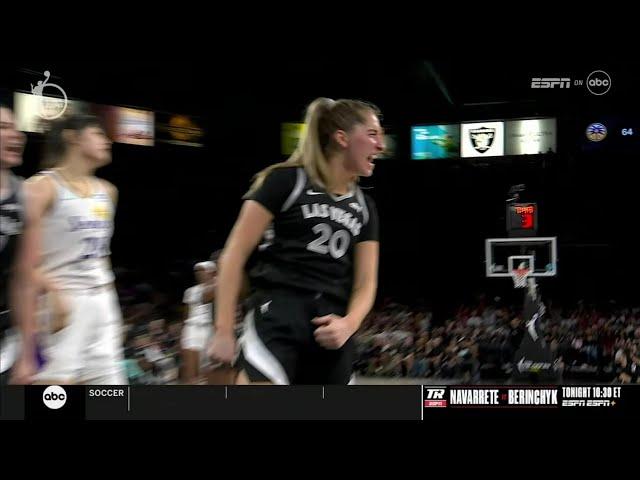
(520, 276)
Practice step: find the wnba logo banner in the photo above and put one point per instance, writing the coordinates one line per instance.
(59, 106)
(44, 402)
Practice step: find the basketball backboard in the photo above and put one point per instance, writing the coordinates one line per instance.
(502, 255)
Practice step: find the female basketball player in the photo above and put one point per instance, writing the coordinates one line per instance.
(315, 276)
(15, 260)
(73, 217)
(198, 327)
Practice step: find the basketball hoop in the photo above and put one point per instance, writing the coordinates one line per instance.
(520, 276)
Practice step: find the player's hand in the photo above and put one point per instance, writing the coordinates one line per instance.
(23, 370)
(223, 348)
(333, 331)
(60, 310)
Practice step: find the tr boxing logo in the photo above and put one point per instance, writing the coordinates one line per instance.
(434, 397)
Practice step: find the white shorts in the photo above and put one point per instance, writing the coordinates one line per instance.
(9, 349)
(89, 348)
(197, 336)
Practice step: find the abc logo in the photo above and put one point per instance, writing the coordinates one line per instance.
(599, 82)
(54, 397)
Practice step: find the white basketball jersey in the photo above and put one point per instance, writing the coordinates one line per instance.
(76, 238)
(198, 312)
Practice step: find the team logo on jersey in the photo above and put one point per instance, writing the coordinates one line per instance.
(77, 223)
(356, 207)
(338, 215)
(101, 211)
(264, 308)
(482, 138)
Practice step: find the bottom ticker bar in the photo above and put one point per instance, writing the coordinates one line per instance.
(370, 402)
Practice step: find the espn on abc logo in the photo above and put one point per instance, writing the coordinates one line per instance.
(599, 82)
(54, 397)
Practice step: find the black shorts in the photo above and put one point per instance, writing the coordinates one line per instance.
(278, 345)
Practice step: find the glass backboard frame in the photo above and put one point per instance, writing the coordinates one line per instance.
(498, 270)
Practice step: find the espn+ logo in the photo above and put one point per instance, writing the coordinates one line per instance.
(598, 82)
(54, 397)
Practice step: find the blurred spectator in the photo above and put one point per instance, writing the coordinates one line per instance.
(478, 341)
(482, 340)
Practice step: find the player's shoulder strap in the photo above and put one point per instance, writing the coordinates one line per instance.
(191, 295)
(50, 173)
(54, 178)
(104, 187)
(363, 201)
(16, 184)
(301, 180)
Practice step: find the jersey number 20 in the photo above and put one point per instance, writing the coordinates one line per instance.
(335, 243)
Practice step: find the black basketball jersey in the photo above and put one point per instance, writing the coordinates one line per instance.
(11, 226)
(310, 243)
